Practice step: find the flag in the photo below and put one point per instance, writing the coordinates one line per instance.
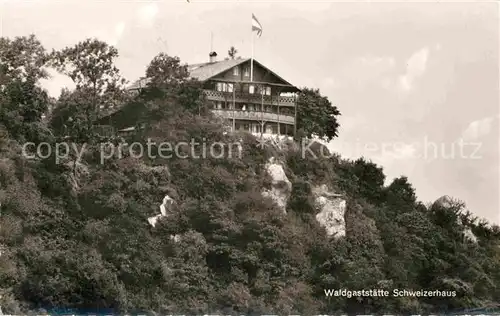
(256, 25)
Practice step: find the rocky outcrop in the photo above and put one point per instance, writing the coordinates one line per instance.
(165, 207)
(445, 201)
(469, 235)
(449, 203)
(175, 238)
(166, 203)
(331, 205)
(332, 211)
(281, 187)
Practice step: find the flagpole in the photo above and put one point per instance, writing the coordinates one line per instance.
(251, 60)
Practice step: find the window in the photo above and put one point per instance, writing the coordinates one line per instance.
(246, 72)
(269, 129)
(265, 90)
(236, 71)
(251, 89)
(224, 87)
(219, 105)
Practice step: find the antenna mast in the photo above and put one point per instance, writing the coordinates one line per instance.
(211, 41)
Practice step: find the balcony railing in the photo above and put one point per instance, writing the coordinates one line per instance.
(250, 98)
(255, 115)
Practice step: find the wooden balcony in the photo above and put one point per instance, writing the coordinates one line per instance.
(249, 98)
(255, 116)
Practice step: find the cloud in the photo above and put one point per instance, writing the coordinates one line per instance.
(381, 70)
(415, 68)
(417, 62)
(478, 128)
(119, 29)
(384, 153)
(147, 14)
(375, 67)
(390, 153)
(56, 82)
(378, 62)
(365, 70)
(110, 37)
(329, 83)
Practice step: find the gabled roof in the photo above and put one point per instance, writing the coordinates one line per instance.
(206, 71)
(288, 83)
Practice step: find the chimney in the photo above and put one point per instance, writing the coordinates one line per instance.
(213, 57)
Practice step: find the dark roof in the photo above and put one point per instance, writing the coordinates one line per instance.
(205, 71)
(277, 76)
(142, 82)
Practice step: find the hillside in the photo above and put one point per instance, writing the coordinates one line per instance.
(252, 229)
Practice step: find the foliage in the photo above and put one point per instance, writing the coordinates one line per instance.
(316, 115)
(165, 70)
(169, 80)
(99, 87)
(75, 238)
(232, 52)
(22, 101)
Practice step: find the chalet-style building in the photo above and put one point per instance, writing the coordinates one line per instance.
(262, 104)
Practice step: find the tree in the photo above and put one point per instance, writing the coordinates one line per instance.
(232, 52)
(166, 71)
(22, 57)
(400, 196)
(370, 179)
(22, 101)
(99, 86)
(316, 115)
(169, 79)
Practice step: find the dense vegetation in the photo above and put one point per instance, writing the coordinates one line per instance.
(74, 232)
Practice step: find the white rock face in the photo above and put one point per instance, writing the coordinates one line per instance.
(175, 238)
(444, 201)
(281, 186)
(167, 201)
(152, 220)
(469, 235)
(447, 202)
(332, 211)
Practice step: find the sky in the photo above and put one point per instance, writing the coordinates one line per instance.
(417, 83)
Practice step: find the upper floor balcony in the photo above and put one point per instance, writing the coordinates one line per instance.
(249, 98)
(255, 116)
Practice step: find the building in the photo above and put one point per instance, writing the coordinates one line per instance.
(263, 104)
